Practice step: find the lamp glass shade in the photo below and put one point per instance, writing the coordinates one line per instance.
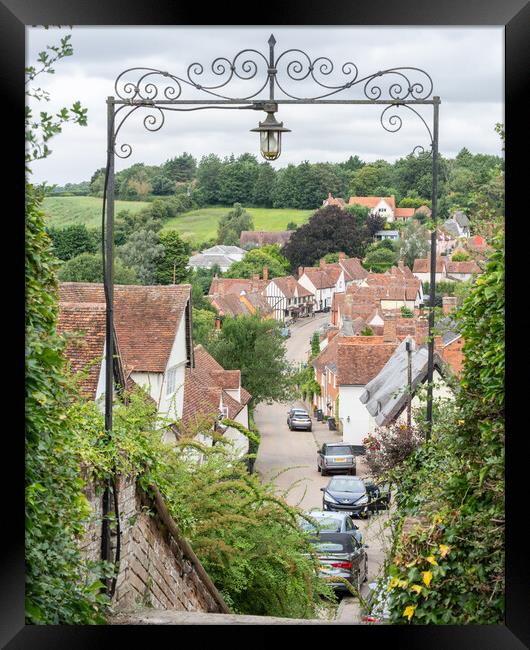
(270, 144)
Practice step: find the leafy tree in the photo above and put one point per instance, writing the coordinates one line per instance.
(329, 230)
(315, 345)
(97, 182)
(331, 258)
(88, 267)
(237, 179)
(72, 240)
(380, 260)
(352, 164)
(142, 252)
(208, 178)
(257, 348)
(368, 178)
(254, 262)
(232, 224)
(415, 242)
(263, 187)
(367, 331)
(415, 172)
(459, 257)
(181, 168)
(163, 184)
(171, 267)
(203, 326)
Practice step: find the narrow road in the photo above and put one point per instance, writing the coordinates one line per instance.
(288, 459)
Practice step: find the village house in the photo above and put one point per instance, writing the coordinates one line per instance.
(220, 255)
(422, 269)
(384, 206)
(381, 235)
(288, 298)
(446, 269)
(152, 337)
(257, 238)
(240, 296)
(322, 282)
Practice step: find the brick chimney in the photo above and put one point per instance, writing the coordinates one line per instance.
(300, 271)
(389, 329)
(265, 272)
(255, 277)
(342, 256)
(322, 264)
(448, 304)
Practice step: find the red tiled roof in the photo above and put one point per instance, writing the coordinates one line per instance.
(290, 287)
(462, 267)
(146, 318)
(404, 213)
(264, 238)
(361, 358)
(424, 265)
(372, 201)
(320, 278)
(84, 327)
(229, 305)
(225, 286)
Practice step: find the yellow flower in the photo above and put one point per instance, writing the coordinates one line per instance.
(393, 583)
(409, 611)
(402, 583)
(437, 519)
(431, 560)
(444, 549)
(460, 422)
(416, 588)
(427, 577)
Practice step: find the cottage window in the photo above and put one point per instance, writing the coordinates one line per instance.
(170, 380)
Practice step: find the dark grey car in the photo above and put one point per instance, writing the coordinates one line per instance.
(346, 494)
(331, 522)
(341, 556)
(336, 457)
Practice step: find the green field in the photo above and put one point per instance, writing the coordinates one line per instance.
(67, 210)
(200, 225)
(197, 225)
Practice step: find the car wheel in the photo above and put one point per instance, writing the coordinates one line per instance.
(323, 472)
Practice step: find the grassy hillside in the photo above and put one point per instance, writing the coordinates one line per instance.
(199, 225)
(67, 210)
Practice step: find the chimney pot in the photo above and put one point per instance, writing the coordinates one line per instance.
(322, 264)
(300, 271)
(342, 256)
(448, 304)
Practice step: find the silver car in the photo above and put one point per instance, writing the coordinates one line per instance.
(299, 419)
(336, 457)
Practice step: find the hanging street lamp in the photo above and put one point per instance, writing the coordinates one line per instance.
(270, 134)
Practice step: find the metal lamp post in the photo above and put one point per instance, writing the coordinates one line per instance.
(158, 91)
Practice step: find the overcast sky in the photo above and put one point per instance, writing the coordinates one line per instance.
(466, 65)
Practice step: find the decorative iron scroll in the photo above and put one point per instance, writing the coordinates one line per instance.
(150, 85)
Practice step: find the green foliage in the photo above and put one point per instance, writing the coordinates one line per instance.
(380, 259)
(315, 345)
(171, 266)
(406, 312)
(181, 168)
(72, 240)
(291, 226)
(459, 257)
(88, 267)
(143, 252)
(366, 180)
(203, 326)
(455, 550)
(256, 347)
(367, 331)
(60, 586)
(256, 260)
(305, 383)
(40, 130)
(415, 242)
(232, 224)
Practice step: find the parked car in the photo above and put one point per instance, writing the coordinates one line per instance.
(335, 522)
(299, 419)
(346, 494)
(336, 457)
(341, 556)
(285, 332)
(379, 496)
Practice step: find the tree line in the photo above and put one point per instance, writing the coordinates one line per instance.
(468, 181)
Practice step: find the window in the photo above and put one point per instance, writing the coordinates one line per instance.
(170, 380)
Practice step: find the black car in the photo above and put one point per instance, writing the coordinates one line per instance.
(341, 558)
(346, 494)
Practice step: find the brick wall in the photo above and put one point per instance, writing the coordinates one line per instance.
(157, 567)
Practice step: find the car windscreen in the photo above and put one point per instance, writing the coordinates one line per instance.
(300, 416)
(329, 524)
(340, 484)
(340, 450)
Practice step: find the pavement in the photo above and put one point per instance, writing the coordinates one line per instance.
(288, 460)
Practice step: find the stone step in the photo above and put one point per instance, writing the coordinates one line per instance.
(173, 617)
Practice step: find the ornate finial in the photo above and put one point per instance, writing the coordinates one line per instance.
(272, 40)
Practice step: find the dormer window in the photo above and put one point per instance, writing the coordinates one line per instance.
(170, 380)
